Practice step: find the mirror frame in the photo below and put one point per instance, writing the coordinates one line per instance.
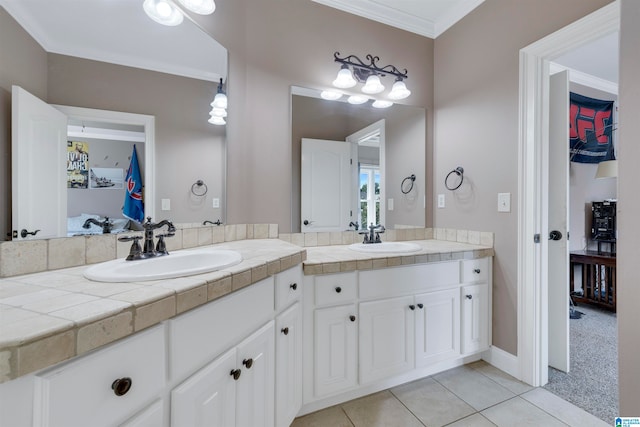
(146, 121)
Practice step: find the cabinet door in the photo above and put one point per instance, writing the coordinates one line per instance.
(387, 338)
(335, 349)
(288, 365)
(208, 398)
(152, 416)
(255, 392)
(437, 326)
(475, 318)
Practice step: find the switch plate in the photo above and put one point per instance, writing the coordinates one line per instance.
(504, 202)
(166, 204)
(216, 202)
(440, 201)
(390, 204)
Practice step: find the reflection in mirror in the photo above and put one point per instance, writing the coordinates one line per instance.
(401, 132)
(134, 66)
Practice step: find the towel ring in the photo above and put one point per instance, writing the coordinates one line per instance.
(459, 171)
(197, 189)
(412, 178)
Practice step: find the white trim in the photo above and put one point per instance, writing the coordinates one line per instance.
(502, 360)
(148, 122)
(585, 79)
(532, 182)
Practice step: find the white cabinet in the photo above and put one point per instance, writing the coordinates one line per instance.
(437, 326)
(234, 390)
(288, 365)
(151, 416)
(386, 338)
(105, 387)
(335, 349)
(475, 318)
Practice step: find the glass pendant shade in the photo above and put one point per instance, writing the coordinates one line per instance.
(330, 95)
(373, 85)
(345, 79)
(357, 99)
(218, 112)
(220, 101)
(381, 104)
(201, 7)
(219, 121)
(163, 12)
(399, 91)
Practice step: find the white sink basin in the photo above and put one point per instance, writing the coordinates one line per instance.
(386, 247)
(178, 264)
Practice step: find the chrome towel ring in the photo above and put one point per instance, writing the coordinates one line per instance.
(411, 178)
(459, 172)
(199, 188)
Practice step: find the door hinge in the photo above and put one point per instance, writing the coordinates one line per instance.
(536, 238)
(350, 161)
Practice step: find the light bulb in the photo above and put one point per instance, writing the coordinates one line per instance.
(381, 104)
(344, 79)
(373, 85)
(399, 91)
(357, 99)
(202, 7)
(330, 95)
(163, 12)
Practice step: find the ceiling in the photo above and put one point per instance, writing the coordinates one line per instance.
(429, 18)
(119, 32)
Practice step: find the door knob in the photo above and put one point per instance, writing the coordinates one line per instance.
(555, 235)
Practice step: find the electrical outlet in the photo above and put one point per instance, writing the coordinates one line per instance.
(390, 204)
(216, 202)
(166, 204)
(504, 202)
(440, 201)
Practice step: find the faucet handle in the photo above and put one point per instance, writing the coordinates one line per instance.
(136, 250)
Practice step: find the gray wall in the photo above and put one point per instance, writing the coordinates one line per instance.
(629, 210)
(476, 97)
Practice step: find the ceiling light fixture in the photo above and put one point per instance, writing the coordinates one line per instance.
(354, 70)
(166, 12)
(218, 107)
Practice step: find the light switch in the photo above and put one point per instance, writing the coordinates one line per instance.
(390, 204)
(440, 201)
(504, 202)
(216, 202)
(166, 204)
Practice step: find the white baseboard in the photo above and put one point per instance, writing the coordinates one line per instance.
(502, 360)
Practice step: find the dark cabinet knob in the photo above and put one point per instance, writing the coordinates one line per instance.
(412, 307)
(338, 289)
(420, 306)
(469, 296)
(293, 286)
(285, 331)
(121, 386)
(248, 363)
(352, 318)
(555, 235)
(235, 373)
(307, 222)
(477, 271)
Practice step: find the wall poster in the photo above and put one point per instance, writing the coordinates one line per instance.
(77, 164)
(106, 178)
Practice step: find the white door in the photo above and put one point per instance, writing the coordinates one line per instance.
(335, 349)
(558, 250)
(38, 161)
(325, 185)
(288, 365)
(387, 340)
(255, 393)
(208, 398)
(437, 326)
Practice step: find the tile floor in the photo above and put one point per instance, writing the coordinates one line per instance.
(477, 394)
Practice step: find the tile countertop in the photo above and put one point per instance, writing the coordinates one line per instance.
(336, 259)
(52, 316)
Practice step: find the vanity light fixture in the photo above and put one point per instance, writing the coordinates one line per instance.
(357, 99)
(330, 95)
(381, 103)
(218, 107)
(166, 12)
(354, 70)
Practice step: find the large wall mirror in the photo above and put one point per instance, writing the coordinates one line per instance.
(110, 56)
(385, 146)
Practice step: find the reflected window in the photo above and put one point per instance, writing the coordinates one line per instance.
(369, 195)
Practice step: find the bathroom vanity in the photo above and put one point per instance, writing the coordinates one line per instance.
(292, 330)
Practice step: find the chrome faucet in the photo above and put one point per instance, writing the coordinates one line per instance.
(373, 235)
(148, 250)
(106, 224)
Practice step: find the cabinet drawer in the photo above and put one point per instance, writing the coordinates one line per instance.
(474, 270)
(79, 393)
(200, 335)
(335, 288)
(288, 287)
